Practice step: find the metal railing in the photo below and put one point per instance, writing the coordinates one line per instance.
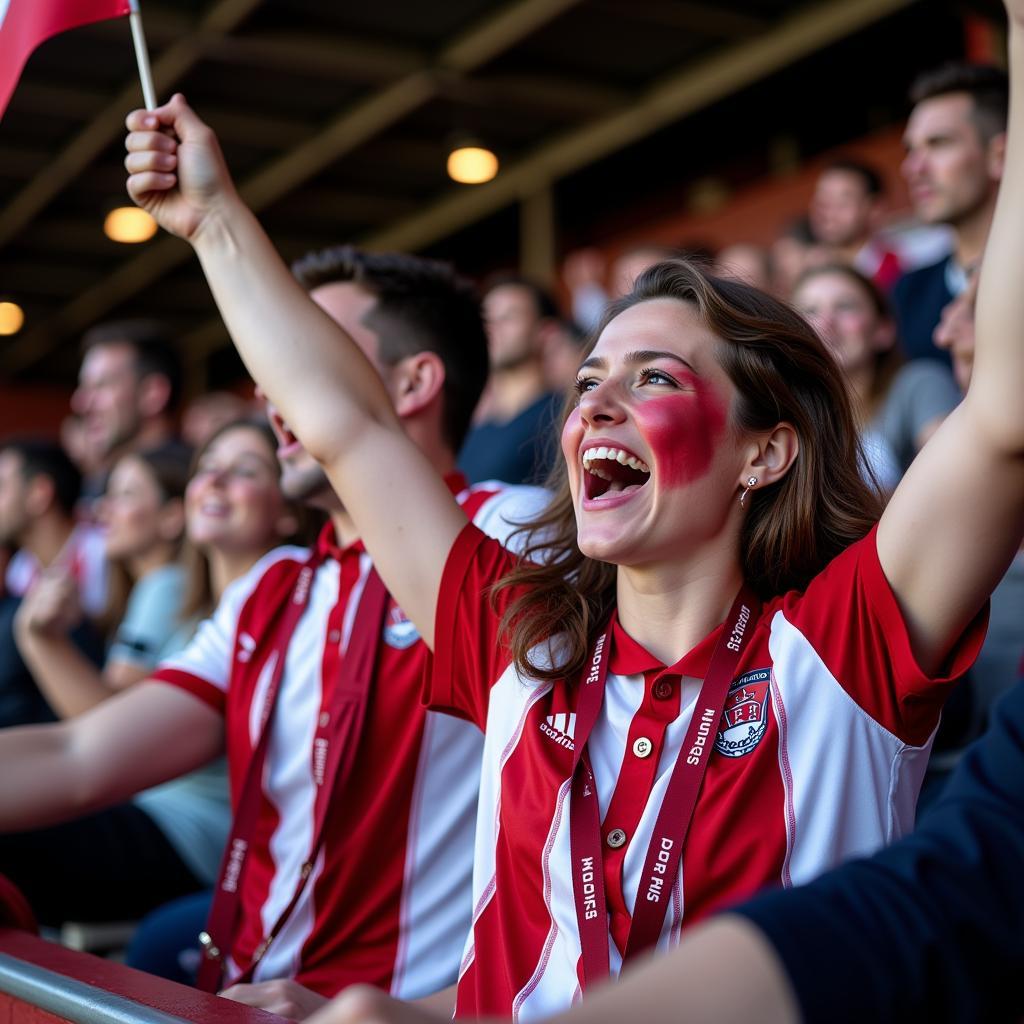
(74, 1000)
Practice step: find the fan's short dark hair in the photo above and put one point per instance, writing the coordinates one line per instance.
(422, 306)
(41, 457)
(872, 180)
(988, 87)
(154, 345)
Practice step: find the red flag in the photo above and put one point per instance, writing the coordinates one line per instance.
(24, 24)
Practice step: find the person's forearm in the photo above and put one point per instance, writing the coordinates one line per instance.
(67, 679)
(442, 1002)
(309, 368)
(38, 788)
(994, 392)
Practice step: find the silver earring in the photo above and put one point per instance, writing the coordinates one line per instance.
(751, 482)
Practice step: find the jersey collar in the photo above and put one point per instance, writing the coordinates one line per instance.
(629, 658)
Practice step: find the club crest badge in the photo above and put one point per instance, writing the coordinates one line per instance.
(399, 632)
(745, 717)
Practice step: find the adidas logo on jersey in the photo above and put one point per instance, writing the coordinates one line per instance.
(561, 729)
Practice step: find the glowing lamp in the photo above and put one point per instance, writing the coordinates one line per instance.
(11, 318)
(129, 224)
(471, 164)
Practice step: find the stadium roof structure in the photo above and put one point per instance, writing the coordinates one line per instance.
(336, 117)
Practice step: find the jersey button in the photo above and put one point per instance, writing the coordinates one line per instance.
(616, 838)
(334, 636)
(642, 747)
(662, 689)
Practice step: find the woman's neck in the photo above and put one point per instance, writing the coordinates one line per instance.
(668, 610)
(228, 566)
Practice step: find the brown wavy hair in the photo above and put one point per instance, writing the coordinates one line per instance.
(782, 372)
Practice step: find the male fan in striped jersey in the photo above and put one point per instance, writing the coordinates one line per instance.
(387, 899)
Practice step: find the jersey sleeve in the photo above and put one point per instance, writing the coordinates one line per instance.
(850, 617)
(470, 653)
(203, 668)
(504, 514)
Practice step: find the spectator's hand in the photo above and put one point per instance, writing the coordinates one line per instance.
(51, 607)
(362, 1004)
(283, 996)
(584, 267)
(176, 170)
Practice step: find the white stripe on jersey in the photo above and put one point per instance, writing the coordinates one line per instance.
(438, 824)
(289, 782)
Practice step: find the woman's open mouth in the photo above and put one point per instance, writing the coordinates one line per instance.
(609, 471)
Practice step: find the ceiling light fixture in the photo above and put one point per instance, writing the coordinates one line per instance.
(129, 224)
(469, 163)
(12, 316)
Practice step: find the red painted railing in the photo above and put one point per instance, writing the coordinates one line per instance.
(44, 983)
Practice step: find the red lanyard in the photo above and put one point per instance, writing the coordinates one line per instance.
(334, 750)
(677, 807)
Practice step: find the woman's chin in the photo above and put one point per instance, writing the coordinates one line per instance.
(601, 546)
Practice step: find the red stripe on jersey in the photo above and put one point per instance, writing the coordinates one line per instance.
(206, 692)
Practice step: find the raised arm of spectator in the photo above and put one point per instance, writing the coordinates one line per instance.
(308, 366)
(956, 519)
(135, 740)
(69, 681)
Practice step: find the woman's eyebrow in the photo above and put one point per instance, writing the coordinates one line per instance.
(647, 355)
(644, 355)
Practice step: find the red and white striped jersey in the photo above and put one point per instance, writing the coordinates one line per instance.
(389, 901)
(819, 757)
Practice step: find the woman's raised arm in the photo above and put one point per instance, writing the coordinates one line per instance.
(327, 390)
(955, 521)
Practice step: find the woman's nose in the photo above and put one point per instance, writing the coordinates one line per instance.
(602, 403)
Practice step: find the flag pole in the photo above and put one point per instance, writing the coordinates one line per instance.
(142, 55)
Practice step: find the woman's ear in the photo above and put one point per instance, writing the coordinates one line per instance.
(415, 382)
(773, 455)
(171, 520)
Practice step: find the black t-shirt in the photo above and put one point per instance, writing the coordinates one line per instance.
(519, 451)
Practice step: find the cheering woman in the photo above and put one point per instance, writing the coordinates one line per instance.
(723, 667)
